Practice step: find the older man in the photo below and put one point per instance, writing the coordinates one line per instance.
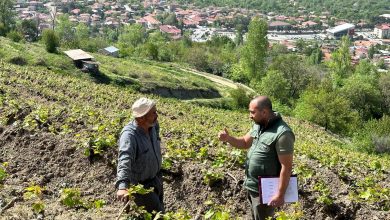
(271, 145)
(139, 160)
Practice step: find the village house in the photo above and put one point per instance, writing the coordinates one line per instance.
(309, 24)
(172, 31)
(149, 22)
(382, 31)
(279, 25)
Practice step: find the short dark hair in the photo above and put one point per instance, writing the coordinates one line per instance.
(263, 102)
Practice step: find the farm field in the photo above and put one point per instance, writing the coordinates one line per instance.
(58, 149)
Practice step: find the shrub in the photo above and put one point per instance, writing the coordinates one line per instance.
(240, 100)
(374, 136)
(51, 40)
(15, 36)
(18, 60)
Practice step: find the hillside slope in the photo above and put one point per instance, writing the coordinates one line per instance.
(142, 75)
(49, 120)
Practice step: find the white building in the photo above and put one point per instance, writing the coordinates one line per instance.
(382, 31)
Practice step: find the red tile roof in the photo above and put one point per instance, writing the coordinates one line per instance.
(170, 29)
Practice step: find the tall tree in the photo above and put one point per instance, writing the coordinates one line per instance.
(29, 28)
(7, 16)
(364, 95)
(255, 49)
(327, 109)
(340, 65)
(294, 71)
(66, 31)
(239, 39)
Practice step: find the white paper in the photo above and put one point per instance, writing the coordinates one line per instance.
(270, 186)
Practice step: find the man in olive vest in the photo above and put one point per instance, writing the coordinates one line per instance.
(271, 145)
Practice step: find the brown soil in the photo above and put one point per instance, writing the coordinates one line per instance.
(56, 162)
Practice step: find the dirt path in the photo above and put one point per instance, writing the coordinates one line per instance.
(217, 79)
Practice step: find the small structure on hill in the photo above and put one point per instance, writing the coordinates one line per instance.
(110, 51)
(83, 60)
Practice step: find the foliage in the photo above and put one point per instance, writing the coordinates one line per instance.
(178, 214)
(296, 214)
(51, 40)
(295, 72)
(324, 193)
(384, 87)
(3, 173)
(188, 130)
(130, 37)
(7, 16)
(240, 99)
(211, 178)
(237, 73)
(340, 65)
(373, 136)
(254, 51)
(71, 198)
(34, 192)
(29, 28)
(363, 93)
(327, 109)
(15, 36)
(275, 85)
(66, 31)
(216, 212)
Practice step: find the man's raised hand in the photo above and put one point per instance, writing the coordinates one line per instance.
(224, 135)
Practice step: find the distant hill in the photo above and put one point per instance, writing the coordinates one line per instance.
(59, 129)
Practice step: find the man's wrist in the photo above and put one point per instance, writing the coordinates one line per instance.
(123, 185)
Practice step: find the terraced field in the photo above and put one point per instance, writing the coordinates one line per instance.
(58, 134)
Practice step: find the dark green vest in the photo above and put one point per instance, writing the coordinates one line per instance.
(262, 158)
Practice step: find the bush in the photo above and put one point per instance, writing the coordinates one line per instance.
(21, 61)
(327, 109)
(15, 36)
(220, 103)
(374, 136)
(276, 86)
(51, 39)
(240, 99)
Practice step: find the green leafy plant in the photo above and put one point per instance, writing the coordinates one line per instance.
(71, 198)
(34, 193)
(324, 192)
(3, 173)
(216, 212)
(210, 178)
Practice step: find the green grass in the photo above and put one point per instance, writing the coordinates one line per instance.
(137, 73)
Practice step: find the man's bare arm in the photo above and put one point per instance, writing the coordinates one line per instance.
(243, 142)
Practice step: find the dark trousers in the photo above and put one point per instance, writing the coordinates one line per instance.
(259, 211)
(152, 201)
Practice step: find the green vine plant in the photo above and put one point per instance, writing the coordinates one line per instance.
(216, 212)
(3, 172)
(71, 197)
(34, 193)
(324, 191)
(295, 214)
(139, 211)
(211, 178)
